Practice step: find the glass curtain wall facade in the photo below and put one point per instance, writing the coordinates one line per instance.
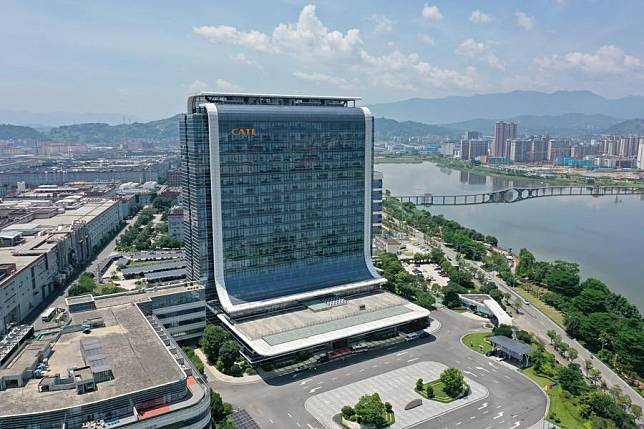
(278, 199)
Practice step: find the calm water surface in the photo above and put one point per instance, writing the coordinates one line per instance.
(603, 235)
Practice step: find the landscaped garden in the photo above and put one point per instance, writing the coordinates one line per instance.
(449, 387)
(370, 411)
(477, 342)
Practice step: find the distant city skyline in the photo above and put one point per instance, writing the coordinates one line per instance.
(141, 59)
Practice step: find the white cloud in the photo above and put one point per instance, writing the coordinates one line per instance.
(224, 33)
(401, 71)
(381, 23)
(243, 58)
(478, 17)
(224, 85)
(320, 78)
(198, 86)
(432, 13)
(427, 39)
(525, 21)
(606, 60)
(307, 38)
(479, 50)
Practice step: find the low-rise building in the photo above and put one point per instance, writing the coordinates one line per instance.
(114, 365)
(47, 247)
(484, 305)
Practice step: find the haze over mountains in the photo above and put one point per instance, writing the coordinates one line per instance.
(563, 113)
(507, 105)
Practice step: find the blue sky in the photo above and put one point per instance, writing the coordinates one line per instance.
(142, 58)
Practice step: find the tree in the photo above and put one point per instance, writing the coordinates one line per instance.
(572, 353)
(425, 300)
(517, 305)
(594, 375)
(429, 391)
(212, 339)
(389, 408)
(552, 334)
(524, 336)
(563, 278)
(228, 354)
(571, 379)
(371, 410)
(588, 365)
(453, 382)
(504, 330)
(347, 412)
(450, 297)
(419, 384)
(219, 410)
(437, 255)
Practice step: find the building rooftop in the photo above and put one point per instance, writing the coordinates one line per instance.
(275, 334)
(511, 345)
(136, 355)
(52, 230)
(268, 99)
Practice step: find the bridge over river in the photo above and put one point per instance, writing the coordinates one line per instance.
(516, 194)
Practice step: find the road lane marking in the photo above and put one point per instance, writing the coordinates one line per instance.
(289, 415)
(516, 425)
(471, 373)
(472, 417)
(411, 360)
(498, 416)
(298, 424)
(315, 389)
(482, 406)
(401, 353)
(303, 382)
(485, 412)
(482, 369)
(459, 423)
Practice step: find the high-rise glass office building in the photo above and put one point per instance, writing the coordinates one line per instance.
(278, 198)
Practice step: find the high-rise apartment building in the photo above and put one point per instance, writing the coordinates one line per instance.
(504, 131)
(472, 149)
(278, 204)
(520, 150)
(640, 154)
(559, 148)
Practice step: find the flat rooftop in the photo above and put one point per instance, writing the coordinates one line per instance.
(305, 327)
(138, 359)
(139, 295)
(27, 252)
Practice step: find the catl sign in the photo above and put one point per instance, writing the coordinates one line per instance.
(243, 132)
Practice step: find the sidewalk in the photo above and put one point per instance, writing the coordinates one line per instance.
(213, 373)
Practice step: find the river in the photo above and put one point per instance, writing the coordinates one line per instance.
(605, 236)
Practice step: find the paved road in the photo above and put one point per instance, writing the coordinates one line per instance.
(514, 401)
(533, 320)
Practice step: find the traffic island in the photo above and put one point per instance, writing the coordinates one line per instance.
(397, 387)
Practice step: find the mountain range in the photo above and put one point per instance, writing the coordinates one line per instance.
(562, 113)
(510, 104)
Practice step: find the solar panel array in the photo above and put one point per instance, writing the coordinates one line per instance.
(242, 420)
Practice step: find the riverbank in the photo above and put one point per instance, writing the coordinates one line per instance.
(588, 310)
(508, 173)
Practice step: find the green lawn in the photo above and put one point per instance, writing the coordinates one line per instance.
(439, 392)
(546, 309)
(477, 339)
(564, 412)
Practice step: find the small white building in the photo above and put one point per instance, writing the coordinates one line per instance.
(484, 304)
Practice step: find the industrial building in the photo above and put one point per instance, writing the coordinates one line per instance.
(279, 202)
(114, 365)
(44, 247)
